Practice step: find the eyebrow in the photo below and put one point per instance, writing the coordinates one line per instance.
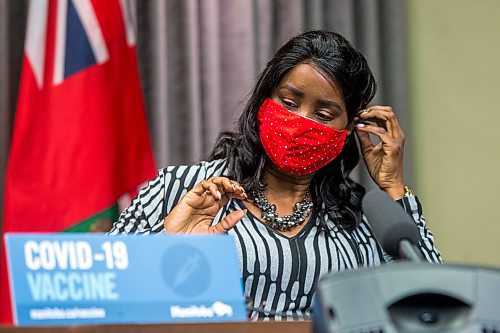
(321, 102)
(293, 90)
(329, 104)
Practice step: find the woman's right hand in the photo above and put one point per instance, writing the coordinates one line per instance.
(197, 209)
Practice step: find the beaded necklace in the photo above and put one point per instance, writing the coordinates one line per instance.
(301, 210)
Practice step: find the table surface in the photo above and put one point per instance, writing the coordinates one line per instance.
(227, 327)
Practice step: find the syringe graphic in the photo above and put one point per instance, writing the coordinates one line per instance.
(186, 270)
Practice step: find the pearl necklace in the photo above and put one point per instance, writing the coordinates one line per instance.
(300, 211)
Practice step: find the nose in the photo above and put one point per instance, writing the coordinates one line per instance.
(305, 112)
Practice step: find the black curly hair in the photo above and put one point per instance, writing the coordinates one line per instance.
(331, 187)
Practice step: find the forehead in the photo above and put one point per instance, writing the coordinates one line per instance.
(311, 80)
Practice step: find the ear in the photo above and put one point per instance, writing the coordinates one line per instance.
(350, 128)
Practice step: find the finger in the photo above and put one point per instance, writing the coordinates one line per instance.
(383, 135)
(208, 188)
(223, 183)
(228, 222)
(369, 109)
(379, 115)
(364, 140)
(385, 117)
(229, 186)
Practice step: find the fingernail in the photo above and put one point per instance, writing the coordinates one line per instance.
(245, 211)
(360, 125)
(245, 195)
(219, 195)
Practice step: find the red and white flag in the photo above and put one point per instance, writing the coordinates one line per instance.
(80, 138)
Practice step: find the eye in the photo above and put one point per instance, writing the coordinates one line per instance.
(288, 103)
(324, 116)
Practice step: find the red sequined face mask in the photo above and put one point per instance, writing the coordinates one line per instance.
(297, 145)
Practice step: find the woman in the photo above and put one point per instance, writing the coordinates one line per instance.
(280, 184)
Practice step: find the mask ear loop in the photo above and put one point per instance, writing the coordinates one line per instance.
(356, 120)
(350, 129)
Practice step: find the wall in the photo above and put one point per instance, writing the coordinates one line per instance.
(454, 50)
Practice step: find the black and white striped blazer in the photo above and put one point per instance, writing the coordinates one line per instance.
(279, 273)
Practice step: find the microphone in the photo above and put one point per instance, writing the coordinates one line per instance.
(395, 230)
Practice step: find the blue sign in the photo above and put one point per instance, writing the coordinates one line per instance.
(62, 279)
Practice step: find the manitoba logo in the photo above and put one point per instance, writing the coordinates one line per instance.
(217, 309)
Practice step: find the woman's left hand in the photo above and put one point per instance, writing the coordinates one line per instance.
(385, 159)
